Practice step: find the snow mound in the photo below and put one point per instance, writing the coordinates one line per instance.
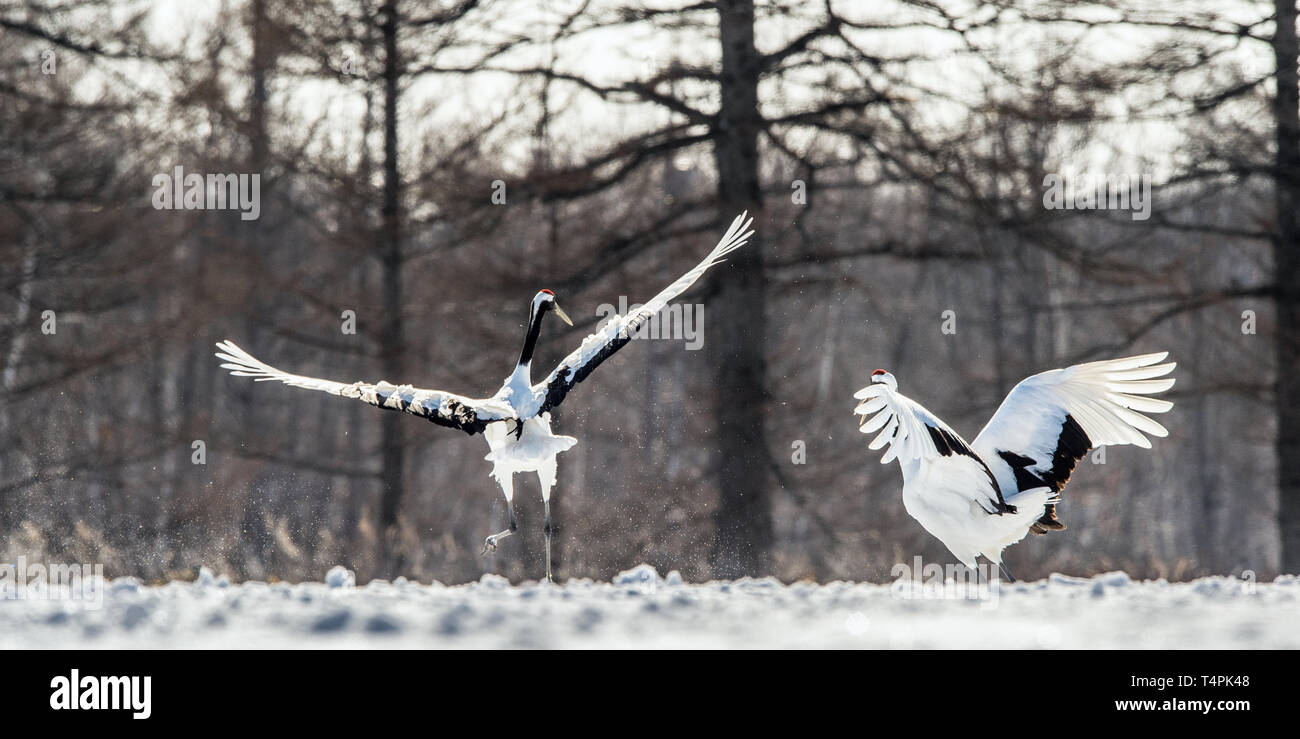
(640, 608)
(340, 577)
(640, 576)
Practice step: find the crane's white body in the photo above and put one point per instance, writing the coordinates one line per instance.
(983, 497)
(938, 497)
(535, 447)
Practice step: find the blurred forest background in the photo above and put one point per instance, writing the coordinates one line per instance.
(894, 154)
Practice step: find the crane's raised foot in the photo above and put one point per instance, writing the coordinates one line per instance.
(490, 543)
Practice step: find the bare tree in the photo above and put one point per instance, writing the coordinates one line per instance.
(1286, 257)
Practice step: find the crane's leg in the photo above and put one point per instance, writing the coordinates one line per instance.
(490, 544)
(546, 476)
(549, 577)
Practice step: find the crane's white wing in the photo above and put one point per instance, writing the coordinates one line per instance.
(619, 330)
(445, 409)
(929, 451)
(1051, 420)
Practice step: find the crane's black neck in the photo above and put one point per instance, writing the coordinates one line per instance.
(534, 330)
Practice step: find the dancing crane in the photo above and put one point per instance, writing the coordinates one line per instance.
(982, 497)
(516, 421)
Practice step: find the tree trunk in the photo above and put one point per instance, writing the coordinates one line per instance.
(391, 339)
(257, 99)
(1286, 255)
(259, 157)
(743, 519)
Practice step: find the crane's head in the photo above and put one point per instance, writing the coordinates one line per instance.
(885, 377)
(544, 301)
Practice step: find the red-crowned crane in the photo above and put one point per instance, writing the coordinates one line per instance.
(516, 421)
(982, 497)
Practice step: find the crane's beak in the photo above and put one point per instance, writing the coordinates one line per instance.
(560, 312)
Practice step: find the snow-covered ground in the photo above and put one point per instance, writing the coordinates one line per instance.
(643, 609)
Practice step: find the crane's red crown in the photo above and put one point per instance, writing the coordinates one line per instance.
(879, 372)
(548, 292)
